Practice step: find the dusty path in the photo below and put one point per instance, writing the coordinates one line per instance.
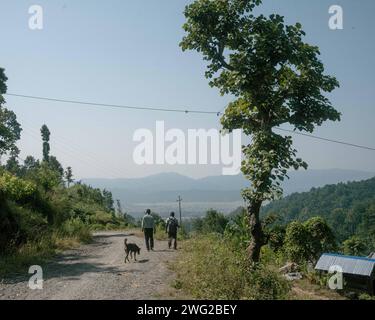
(97, 271)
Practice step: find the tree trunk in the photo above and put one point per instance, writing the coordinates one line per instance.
(256, 232)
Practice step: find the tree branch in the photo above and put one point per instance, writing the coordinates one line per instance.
(220, 57)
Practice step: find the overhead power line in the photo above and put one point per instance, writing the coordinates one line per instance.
(163, 109)
(326, 139)
(112, 105)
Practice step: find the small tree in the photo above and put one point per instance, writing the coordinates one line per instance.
(30, 163)
(214, 222)
(119, 208)
(45, 137)
(69, 176)
(45, 177)
(108, 200)
(275, 77)
(12, 164)
(55, 165)
(305, 242)
(321, 237)
(295, 242)
(10, 129)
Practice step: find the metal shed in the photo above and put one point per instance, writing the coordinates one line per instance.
(358, 272)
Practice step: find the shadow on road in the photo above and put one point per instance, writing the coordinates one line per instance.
(68, 271)
(143, 261)
(74, 263)
(115, 235)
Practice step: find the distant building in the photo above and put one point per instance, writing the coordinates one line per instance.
(358, 272)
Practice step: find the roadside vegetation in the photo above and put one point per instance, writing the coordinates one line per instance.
(212, 267)
(42, 209)
(275, 79)
(212, 263)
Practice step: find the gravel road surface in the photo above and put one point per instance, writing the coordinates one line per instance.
(97, 271)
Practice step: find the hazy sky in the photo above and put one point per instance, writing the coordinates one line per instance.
(126, 52)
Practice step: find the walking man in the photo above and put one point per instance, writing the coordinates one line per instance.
(148, 227)
(171, 228)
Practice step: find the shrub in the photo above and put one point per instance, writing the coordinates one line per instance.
(305, 242)
(295, 244)
(101, 217)
(354, 246)
(9, 226)
(32, 224)
(76, 228)
(266, 284)
(16, 189)
(237, 230)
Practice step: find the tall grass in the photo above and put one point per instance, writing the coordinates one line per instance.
(41, 250)
(211, 268)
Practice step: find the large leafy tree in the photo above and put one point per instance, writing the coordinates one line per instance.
(10, 129)
(275, 77)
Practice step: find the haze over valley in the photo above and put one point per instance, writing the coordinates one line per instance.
(160, 192)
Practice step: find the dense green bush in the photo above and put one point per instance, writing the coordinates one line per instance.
(212, 222)
(18, 225)
(16, 189)
(305, 242)
(9, 228)
(31, 209)
(354, 246)
(237, 230)
(76, 228)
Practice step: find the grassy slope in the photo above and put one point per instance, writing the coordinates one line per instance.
(208, 268)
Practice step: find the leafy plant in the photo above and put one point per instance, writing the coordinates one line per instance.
(305, 242)
(354, 246)
(15, 188)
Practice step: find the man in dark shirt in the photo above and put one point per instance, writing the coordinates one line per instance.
(171, 228)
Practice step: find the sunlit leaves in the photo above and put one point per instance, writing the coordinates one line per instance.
(15, 188)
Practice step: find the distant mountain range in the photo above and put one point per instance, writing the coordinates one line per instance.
(166, 187)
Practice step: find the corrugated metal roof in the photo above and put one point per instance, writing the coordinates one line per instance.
(349, 264)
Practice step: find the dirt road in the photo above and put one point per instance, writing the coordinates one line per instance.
(97, 271)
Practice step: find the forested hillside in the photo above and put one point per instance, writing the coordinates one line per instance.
(349, 209)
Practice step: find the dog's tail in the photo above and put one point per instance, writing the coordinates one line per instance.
(125, 241)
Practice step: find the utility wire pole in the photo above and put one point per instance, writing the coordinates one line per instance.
(179, 208)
